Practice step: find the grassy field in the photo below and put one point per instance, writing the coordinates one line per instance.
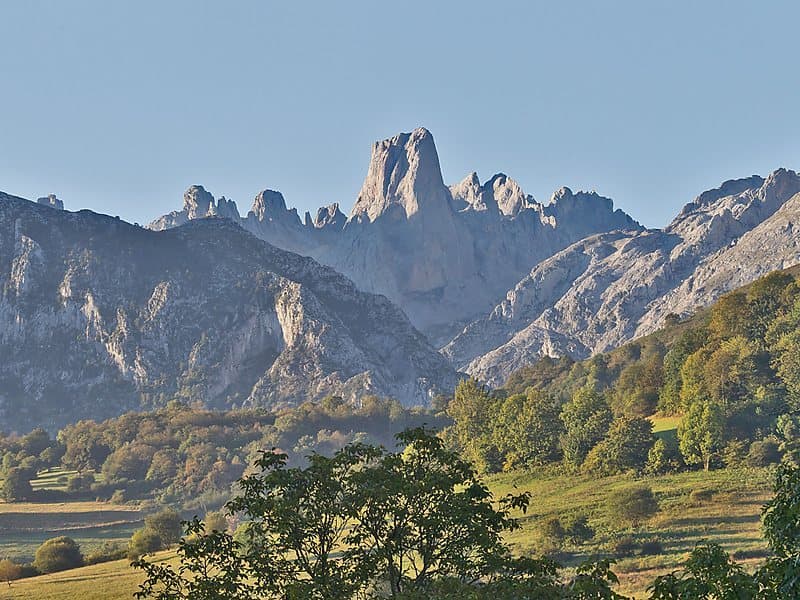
(25, 525)
(729, 516)
(108, 581)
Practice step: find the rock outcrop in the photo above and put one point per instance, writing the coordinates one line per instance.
(51, 201)
(98, 317)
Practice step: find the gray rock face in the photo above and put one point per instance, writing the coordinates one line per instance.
(444, 255)
(51, 201)
(612, 287)
(98, 316)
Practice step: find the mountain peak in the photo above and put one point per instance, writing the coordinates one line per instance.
(197, 202)
(403, 172)
(268, 201)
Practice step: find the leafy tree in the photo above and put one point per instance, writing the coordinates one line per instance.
(17, 485)
(166, 524)
(664, 456)
(215, 521)
(586, 420)
(129, 462)
(425, 515)
(85, 447)
(473, 411)
(701, 433)
(58, 554)
(625, 447)
(143, 541)
(709, 573)
(781, 519)
(35, 442)
(416, 518)
(9, 570)
(527, 429)
(669, 398)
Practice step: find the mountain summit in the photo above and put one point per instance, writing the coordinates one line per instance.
(403, 172)
(445, 255)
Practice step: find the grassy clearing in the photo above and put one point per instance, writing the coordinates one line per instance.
(665, 424)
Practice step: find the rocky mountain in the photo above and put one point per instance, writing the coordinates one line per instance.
(98, 316)
(612, 287)
(443, 254)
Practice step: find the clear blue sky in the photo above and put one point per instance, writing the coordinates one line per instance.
(119, 106)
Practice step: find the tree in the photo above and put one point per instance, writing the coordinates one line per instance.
(473, 411)
(425, 515)
(417, 518)
(586, 420)
(781, 519)
(701, 433)
(17, 485)
(85, 446)
(58, 554)
(527, 429)
(215, 521)
(625, 447)
(664, 456)
(669, 398)
(143, 541)
(9, 570)
(709, 573)
(129, 462)
(167, 525)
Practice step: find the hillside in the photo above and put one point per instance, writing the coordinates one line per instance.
(98, 317)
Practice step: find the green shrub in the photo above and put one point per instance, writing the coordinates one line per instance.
(651, 547)
(166, 524)
(632, 505)
(143, 541)
(763, 453)
(215, 521)
(552, 534)
(624, 546)
(58, 554)
(108, 551)
(577, 529)
(79, 483)
(734, 453)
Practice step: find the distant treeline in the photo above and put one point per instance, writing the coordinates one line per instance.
(189, 456)
(731, 373)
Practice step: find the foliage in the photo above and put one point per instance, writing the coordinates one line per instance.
(625, 447)
(166, 525)
(632, 505)
(143, 541)
(701, 433)
(586, 420)
(418, 520)
(9, 570)
(709, 573)
(58, 554)
(16, 485)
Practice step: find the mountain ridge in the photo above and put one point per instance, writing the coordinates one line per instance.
(99, 317)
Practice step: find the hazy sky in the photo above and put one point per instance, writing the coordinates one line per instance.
(119, 106)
